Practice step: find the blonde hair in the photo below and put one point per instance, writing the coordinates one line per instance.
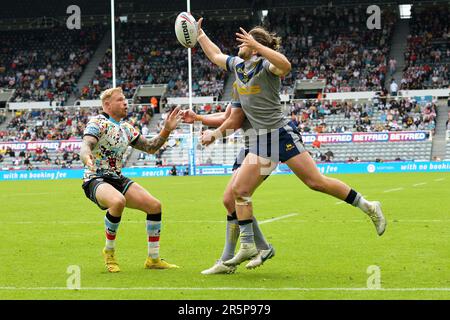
(266, 38)
(105, 95)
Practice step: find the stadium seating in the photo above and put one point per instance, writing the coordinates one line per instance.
(44, 65)
(447, 151)
(333, 44)
(344, 118)
(149, 53)
(428, 52)
(394, 115)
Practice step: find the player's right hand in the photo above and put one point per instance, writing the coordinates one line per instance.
(188, 116)
(173, 119)
(90, 163)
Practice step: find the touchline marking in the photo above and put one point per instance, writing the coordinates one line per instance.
(139, 221)
(419, 184)
(215, 289)
(440, 179)
(278, 218)
(221, 221)
(101, 222)
(392, 190)
(27, 194)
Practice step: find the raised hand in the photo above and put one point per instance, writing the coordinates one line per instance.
(247, 40)
(208, 137)
(173, 119)
(188, 116)
(199, 26)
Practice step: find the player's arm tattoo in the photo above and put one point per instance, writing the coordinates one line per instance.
(87, 145)
(149, 145)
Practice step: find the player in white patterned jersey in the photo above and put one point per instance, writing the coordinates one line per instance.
(105, 140)
(113, 140)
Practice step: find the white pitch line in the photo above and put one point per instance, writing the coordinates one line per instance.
(140, 221)
(392, 190)
(19, 194)
(278, 218)
(221, 221)
(101, 222)
(419, 184)
(440, 179)
(215, 289)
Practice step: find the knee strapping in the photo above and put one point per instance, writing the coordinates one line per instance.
(243, 201)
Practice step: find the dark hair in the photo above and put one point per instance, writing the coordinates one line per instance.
(266, 38)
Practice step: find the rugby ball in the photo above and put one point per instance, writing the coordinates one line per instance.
(186, 29)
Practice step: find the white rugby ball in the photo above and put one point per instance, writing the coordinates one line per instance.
(186, 29)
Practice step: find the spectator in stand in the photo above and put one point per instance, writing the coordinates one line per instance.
(329, 155)
(173, 171)
(392, 66)
(393, 88)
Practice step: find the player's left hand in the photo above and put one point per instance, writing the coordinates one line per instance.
(188, 116)
(207, 137)
(173, 119)
(247, 40)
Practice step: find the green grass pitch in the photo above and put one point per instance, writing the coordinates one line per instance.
(322, 252)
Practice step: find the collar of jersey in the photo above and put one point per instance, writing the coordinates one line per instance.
(254, 67)
(110, 118)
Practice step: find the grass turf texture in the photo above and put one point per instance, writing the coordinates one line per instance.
(48, 225)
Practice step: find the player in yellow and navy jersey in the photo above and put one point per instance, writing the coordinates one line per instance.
(257, 69)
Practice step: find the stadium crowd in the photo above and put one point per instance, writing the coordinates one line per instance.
(428, 53)
(333, 44)
(391, 115)
(328, 43)
(45, 66)
(148, 53)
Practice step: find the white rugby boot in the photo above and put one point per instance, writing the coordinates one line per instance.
(219, 268)
(261, 257)
(246, 252)
(377, 217)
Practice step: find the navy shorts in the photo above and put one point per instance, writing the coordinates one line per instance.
(240, 158)
(278, 145)
(90, 186)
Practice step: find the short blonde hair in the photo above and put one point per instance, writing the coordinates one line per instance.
(105, 95)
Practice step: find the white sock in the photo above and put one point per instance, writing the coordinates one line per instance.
(364, 205)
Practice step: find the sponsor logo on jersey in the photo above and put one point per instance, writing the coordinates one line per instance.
(289, 147)
(244, 90)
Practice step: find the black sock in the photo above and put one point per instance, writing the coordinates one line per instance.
(244, 222)
(112, 218)
(154, 217)
(353, 197)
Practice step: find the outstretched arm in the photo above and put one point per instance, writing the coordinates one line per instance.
(211, 50)
(152, 145)
(232, 123)
(210, 120)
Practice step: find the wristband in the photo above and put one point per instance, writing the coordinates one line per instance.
(164, 133)
(198, 118)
